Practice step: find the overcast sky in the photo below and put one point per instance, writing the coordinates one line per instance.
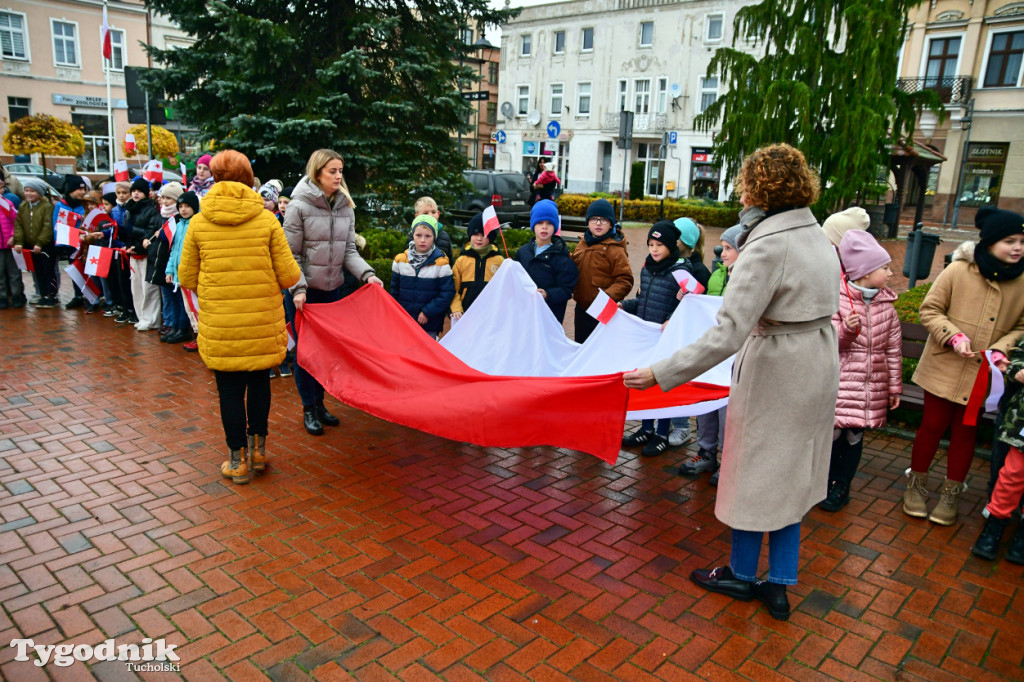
(494, 34)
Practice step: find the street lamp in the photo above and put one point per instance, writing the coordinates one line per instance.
(965, 125)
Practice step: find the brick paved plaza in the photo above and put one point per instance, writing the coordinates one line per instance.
(377, 552)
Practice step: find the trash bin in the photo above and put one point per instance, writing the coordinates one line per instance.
(924, 258)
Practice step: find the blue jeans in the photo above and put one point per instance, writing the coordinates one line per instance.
(783, 554)
(174, 313)
(311, 392)
(664, 426)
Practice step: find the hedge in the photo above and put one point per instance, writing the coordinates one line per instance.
(648, 210)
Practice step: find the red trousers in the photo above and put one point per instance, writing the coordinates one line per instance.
(1009, 486)
(940, 414)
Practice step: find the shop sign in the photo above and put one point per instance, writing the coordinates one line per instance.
(88, 101)
(701, 155)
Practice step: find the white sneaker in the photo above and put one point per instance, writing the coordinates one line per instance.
(143, 327)
(679, 437)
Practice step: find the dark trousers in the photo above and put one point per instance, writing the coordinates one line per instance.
(585, 325)
(244, 405)
(123, 275)
(311, 392)
(845, 457)
(44, 264)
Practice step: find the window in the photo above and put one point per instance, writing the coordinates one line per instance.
(623, 89)
(662, 95)
(642, 96)
(559, 42)
(943, 56)
(523, 100)
(714, 28)
(492, 73)
(983, 173)
(556, 99)
(12, 36)
(96, 157)
(583, 99)
(646, 33)
(116, 49)
(524, 45)
(492, 113)
(708, 93)
(1004, 60)
(587, 41)
(18, 107)
(65, 46)
(467, 36)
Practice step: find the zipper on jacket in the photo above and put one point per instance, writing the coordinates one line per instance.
(867, 381)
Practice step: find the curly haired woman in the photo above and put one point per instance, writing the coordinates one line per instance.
(777, 314)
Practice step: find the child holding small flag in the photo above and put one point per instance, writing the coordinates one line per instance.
(33, 231)
(75, 188)
(655, 302)
(546, 259)
(474, 267)
(142, 221)
(603, 264)
(158, 251)
(421, 278)
(188, 206)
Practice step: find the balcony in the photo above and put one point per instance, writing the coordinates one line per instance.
(952, 90)
(642, 123)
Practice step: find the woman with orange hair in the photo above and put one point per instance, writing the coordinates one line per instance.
(236, 258)
(777, 314)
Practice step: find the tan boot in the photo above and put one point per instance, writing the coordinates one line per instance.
(915, 498)
(236, 468)
(257, 454)
(945, 511)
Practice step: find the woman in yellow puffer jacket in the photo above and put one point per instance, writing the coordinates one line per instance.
(236, 257)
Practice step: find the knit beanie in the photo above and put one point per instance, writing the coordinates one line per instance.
(172, 190)
(689, 233)
(269, 191)
(861, 254)
(204, 160)
(666, 232)
(140, 184)
(74, 182)
(425, 220)
(155, 186)
(545, 209)
(190, 199)
(287, 192)
(996, 224)
(600, 208)
(93, 197)
(38, 185)
(110, 198)
(476, 225)
(838, 224)
(730, 235)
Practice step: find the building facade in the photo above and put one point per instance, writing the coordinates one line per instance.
(478, 144)
(51, 62)
(970, 53)
(569, 69)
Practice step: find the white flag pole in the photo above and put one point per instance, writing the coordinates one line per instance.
(110, 113)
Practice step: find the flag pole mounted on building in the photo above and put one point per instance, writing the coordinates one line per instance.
(107, 49)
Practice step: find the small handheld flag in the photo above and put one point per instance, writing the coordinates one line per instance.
(153, 171)
(491, 222)
(170, 227)
(184, 176)
(687, 282)
(66, 217)
(121, 168)
(67, 236)
(90, 288)
(603, 308)
(24, 260)
(97, 262)
(129, 143)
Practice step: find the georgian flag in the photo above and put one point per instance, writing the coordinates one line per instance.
(121, 167)
(687, 282)
(603, 307)
(24, 260)
(97, 262)
(153, 171)
(129, 146)
(105, 45)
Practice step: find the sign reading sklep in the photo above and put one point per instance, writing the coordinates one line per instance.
(137, 658)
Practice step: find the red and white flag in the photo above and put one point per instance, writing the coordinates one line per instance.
(191, 300)
(170, 227)
(97, 261)
(687, 282)
(67, 235)
(184, 176)
(129, 144)
(8, 208)
(66, 217)
(121, 167)
(603, 307)
(89, 286)
(24, 260)
(153, 171)
(491, 222)
(106, 46)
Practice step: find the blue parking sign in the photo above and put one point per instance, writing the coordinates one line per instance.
(673, 137)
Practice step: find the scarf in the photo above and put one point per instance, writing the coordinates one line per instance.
(416, 259)
(656, 267)
(201, 187)
(591, 239)
(749, 219)
(483, 251)
(867, 294)
(993, 269)
(168, 211)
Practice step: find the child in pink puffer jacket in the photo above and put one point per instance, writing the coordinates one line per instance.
(870, 358)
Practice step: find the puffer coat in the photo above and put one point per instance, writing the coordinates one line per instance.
(870, 359)
(604, 266)
(553, 271)
(991, 314)
(656, 299)
(237, 259)
(428, 290)
(322, 238)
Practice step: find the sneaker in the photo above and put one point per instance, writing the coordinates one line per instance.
(638, 437)
(679, 437)
(698, 464)
(48, 302)
(123, 318)
(656, 446)
(76, 302)
(272, 375)
(191, 346)
(285, 370)
(92, 308)
(111, 312)
(35, 300)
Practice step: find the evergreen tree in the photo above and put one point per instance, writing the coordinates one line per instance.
(827, 84)
(376, 81)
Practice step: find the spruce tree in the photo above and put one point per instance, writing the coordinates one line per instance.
(827, 84)
(376, 81)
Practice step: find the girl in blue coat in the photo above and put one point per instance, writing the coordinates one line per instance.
(421, 277)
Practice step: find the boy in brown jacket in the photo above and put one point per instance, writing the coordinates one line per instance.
(603, 263)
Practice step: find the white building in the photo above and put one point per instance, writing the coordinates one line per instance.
(569, 68)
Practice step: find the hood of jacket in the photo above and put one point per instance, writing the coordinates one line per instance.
(965, 252)
(310, 193)
(557, 246)
(231, 203)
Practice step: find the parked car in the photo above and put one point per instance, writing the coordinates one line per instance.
(34, 170)
(508, 192)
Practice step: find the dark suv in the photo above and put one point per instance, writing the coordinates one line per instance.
(513, 189)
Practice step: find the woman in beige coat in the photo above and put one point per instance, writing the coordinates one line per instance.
(777, 313)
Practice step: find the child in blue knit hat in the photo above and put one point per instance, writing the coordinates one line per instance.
(546, 259)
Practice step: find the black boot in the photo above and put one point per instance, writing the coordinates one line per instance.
(838, 497)
(773, 596)
(987, 544)
(312, 422)
(1015, 555)
(325, 417)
